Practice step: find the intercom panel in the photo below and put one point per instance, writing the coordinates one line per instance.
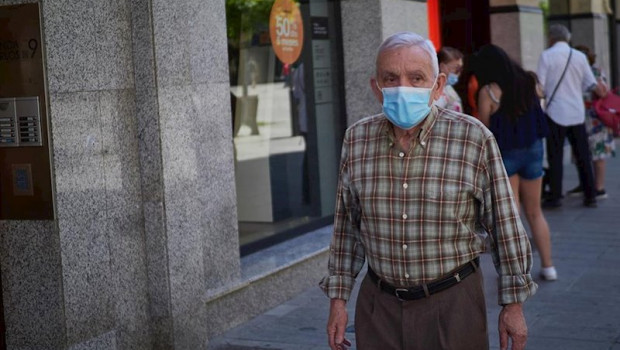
(25, 169)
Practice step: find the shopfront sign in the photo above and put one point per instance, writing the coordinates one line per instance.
(286, 30)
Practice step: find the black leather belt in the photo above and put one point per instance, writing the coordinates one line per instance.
(426, 290)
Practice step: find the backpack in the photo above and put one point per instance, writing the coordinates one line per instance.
(608, 111)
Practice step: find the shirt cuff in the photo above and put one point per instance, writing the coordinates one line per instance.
(591, 87)
(337, 287)
(515, 289)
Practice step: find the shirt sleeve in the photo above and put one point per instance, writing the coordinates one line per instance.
(346, 255)
(541, 72)
(511, 250)
(589, 81)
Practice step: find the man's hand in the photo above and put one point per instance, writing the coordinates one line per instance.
(336, 325)
(512, 325)
(601, 88)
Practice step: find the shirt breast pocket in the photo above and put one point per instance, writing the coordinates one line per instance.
(445, 205)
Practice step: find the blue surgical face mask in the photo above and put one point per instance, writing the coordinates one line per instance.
(452, 79)
(406, 106)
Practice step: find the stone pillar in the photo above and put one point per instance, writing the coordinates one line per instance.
(142, 161)
(365, 24)
(79, 281)
(191, 216)
(96, 166)
(588, 23)
(32, 285)
(149, 145)
(517, 27)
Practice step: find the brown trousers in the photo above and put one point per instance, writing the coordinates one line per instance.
(454, 319)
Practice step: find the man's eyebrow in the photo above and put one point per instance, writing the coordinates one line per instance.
(388, 73)
(417, 71)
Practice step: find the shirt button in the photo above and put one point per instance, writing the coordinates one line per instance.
(401, 154)
(405, 185)
(404, 246)
(404, 216)
(406, 275)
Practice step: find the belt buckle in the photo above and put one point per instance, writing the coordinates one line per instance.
(400, 290)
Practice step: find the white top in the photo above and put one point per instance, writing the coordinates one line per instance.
(450, 99)
(567, 106)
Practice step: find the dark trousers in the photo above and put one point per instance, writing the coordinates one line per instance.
(453, 319)
(578, 139)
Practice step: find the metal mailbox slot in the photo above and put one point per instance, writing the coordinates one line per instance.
(20, 122)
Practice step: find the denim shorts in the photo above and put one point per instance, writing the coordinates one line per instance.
(526, 162)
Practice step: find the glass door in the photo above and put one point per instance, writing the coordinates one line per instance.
(286, 102)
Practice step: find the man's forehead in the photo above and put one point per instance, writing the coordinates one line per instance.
(410, 58)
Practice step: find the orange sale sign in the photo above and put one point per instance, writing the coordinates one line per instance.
(286, 30)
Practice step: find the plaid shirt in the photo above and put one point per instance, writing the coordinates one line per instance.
(419, 214)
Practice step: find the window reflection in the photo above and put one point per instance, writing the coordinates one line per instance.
(271, 119)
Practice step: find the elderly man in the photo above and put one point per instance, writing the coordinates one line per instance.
(420, 189)
(565, 74)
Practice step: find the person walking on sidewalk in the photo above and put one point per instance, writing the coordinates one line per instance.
(565, 74)
(509, 106)
(420, 189)
(600, 137)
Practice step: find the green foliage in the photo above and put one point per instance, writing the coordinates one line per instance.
(243, 17)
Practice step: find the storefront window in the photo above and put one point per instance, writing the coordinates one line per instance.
(285, 74)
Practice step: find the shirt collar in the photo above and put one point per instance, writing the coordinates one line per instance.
(560, 44)
(423, 135)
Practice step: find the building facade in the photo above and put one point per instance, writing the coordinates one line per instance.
(175, 144)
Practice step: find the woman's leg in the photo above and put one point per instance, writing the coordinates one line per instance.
(530, 198)
(599, 174)
(514, 183)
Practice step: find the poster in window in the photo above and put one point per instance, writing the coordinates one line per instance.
(286, 30)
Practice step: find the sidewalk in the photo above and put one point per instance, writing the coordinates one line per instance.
(579, 311)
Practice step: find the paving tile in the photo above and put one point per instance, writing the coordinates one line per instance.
(538, 343)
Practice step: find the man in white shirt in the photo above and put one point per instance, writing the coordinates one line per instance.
(566, 111)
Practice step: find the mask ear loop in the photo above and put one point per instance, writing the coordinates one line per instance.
(378, 87)
(430, 98)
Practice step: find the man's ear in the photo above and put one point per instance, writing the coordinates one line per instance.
(438, 89)
(376, 90)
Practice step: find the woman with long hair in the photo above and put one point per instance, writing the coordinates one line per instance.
(509, 106)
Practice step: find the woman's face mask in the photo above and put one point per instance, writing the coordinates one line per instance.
(452, 79)
(406, 106)
(452, 70)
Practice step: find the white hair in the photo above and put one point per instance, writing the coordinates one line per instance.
(410, 39)
(558, 32)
